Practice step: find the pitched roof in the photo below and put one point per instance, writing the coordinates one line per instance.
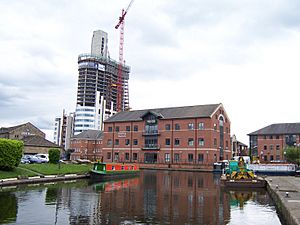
(279, 128)
(35, 140)
(9, 129)
(167, 113)
(90, 134)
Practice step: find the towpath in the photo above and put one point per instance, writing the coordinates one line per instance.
(286, 192)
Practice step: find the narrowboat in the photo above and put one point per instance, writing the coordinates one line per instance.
(107, 171)
(237, 175)
(275, 169)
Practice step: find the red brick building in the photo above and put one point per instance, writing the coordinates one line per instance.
(87, 145)
(179, 135)
(269, 142)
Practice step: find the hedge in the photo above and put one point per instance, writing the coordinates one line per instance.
(54, 155)
(10, 153)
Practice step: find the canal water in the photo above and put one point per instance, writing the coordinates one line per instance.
(153, 197)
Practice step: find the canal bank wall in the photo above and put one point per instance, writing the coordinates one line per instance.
(177, 167)
(285, 192)
(41, 179)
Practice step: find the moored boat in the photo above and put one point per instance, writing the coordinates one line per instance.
(237, 175)
(106, 171)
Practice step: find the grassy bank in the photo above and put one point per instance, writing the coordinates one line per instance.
(45, 169)
(15, 173)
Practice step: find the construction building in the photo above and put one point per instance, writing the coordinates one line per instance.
(97, 86)
(191, 135)
(269, 143)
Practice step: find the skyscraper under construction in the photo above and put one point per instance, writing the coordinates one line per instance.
(97, 86)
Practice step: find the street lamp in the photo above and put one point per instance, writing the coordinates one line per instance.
(284, 155)
(261, 155)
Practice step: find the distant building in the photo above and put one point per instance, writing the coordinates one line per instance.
(33, 138)
(20, 131)
(268, 143)
(238, 148)
(97, 86)
(191, 135)
(64, 130)
(87, 145)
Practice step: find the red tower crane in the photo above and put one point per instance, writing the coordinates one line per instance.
(119, 82)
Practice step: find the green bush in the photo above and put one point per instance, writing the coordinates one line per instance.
(293, 154)
(10, 153)
(54, 155)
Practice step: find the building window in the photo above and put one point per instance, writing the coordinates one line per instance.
(277, 157)
(265, 147)
(226, 145)
(215, 142)
(117, 142)
(201, 141)
(190, 141)
(200, 158)
(177, 126)
(271, 137)
(109, 129)
(227, 130)
(201, 126)
(116, 156)
(191, 126)
(271, 147)
(109, 142)
(190, 157)
(177, 141)
(135, 141)
(108, 156)
(168, 127)
(127, 128)
(117, 128)
(271, 157)
(168, 141)
(134, 156)
(290, 140)
(126, 156)
(135, 128)
(277, 136)
(176, 157)
(277, 147)
(167, 157)
(265, 137)
(127, 142)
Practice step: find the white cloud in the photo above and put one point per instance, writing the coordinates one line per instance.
(243, 54)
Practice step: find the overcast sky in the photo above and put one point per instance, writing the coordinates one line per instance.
(242, 53)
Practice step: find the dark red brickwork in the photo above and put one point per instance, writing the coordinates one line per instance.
(179, 141)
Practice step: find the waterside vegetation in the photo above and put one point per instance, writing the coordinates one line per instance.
(45, 169)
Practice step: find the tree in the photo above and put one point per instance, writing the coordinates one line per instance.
(10, 153)
(54, 155)
(293, 154)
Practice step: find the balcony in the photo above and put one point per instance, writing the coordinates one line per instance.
(151, 147)
(150, 132)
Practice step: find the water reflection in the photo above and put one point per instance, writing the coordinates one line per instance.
(154, 197)
(8, 207)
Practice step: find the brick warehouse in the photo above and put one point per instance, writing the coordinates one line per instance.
(87, 145)
(268, 143)
(179, 135)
